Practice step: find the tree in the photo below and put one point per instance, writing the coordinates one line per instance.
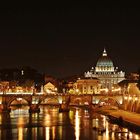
(28, 83)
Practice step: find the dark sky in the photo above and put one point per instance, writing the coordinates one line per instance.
(67, 39)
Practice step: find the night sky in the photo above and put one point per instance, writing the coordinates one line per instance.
(67, 39)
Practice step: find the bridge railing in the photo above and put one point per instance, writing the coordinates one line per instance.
(59, 94)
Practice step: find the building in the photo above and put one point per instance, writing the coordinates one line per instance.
(51, 85)
(25, 77)
(131, 84)
(50, 88)
(106, 72)
(87, 86)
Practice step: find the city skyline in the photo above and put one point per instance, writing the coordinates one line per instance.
(87, 65)
(69, 70)
(65, 41)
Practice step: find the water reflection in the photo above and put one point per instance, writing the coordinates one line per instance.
(20, 133)
(53, 132)
(20, 124)
(47, 133)
(78, 124)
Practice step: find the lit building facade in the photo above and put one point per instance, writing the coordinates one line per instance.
(87, 86)
(106, 72)
(50, 88)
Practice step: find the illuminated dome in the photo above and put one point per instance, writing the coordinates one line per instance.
(104, 60)
(105, 72)
(104, 64)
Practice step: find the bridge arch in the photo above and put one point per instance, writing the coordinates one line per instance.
(109, 100)
(49, 100)
(81, 101)
(18, 99)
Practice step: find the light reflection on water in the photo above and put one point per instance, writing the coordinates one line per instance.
(47, 133)
(20, 133)
(78, 124)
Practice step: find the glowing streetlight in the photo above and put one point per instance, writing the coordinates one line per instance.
(125, 97)
(77, 90)
(136, 98)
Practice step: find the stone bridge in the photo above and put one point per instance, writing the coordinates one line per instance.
(65, 100)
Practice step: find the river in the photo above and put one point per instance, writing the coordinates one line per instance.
(49, 124)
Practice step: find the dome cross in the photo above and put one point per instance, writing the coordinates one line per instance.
(104, 52)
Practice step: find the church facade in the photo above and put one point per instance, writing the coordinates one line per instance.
(105, 71)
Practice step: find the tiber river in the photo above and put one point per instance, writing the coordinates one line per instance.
(49, 124)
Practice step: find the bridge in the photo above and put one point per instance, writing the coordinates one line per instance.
(34, 101)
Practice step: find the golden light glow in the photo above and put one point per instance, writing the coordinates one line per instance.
(19, 99)
(47, 133)
(60, 100)
(20, 133)
(77, 90)
(60, 132)
(19, 93)
(0, 119)
(125, 97)
(77, 125)
(104, 89)
(53, 133)
(21, 121)
(137, 137)
(107, 130)
(47, 120)
(48, 91)
(50, 88)
(130, 135)
(104, 121)
(61, 117)
(116, 89)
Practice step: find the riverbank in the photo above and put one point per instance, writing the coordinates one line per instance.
(127, 117)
